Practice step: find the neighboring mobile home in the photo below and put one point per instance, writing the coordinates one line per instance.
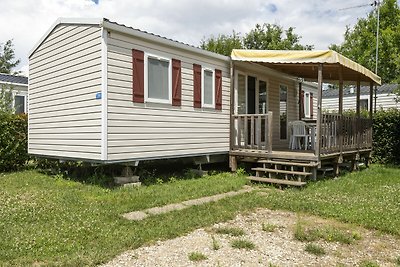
(17, 85)
(385, 98)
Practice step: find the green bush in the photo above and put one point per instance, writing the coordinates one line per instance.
(13, 141)
(386, 136)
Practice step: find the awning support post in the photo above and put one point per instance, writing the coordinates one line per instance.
(341, 121)
(319, 114)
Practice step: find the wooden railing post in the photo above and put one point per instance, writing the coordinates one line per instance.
(258, 131)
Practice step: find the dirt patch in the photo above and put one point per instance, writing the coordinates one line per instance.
(274, 246)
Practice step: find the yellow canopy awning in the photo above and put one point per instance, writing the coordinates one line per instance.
(302, 63)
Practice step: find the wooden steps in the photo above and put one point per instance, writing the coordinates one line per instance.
(276, 181)
(289, 163)
(282, 171)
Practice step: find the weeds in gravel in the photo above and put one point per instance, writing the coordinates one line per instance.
(315, 249)
(215, 243)
(397, 261)
(268, 227)
(368, 263)
(233, 231)
(243, 243)
(197, 256)
(327, 233)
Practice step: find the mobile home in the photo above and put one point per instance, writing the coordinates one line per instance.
(107, 93)
(104, 92)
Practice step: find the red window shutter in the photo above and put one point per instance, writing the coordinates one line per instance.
(196, 86)
(218, 89)
(138, 76)
(311, 105)
(302, 106)
(176, 82)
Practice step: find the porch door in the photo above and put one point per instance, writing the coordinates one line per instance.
(251, 94)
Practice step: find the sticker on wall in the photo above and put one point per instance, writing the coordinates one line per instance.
(98, 95)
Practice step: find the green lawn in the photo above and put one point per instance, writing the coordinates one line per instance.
(370, 198)
(53, 221)
(46, 220)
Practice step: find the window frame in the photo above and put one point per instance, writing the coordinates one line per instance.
(203, 70)
(146, 79)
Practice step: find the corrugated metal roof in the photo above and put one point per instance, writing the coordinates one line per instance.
(13, 79)
(364, 90)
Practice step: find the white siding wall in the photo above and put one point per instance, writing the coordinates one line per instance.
(149, 130)
(64, 77)
(384, 101)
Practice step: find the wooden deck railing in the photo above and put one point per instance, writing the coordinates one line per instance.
(348, 132)
(253, 131)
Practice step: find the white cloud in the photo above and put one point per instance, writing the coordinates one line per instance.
(318, 22)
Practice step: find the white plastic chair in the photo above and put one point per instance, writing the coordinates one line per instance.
(298, 133)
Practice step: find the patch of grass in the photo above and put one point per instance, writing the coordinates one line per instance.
(328, 233)
(243, 244)
(368, 263)
(357, 197)
(397, 261)
(233, 231)
(268, 227)
(197, 256)
(315, 249)
(215, 244)
(59, 222)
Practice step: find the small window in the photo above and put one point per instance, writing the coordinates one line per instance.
(208, 89)
(19, 104)
(158, 80)
(307, 104)
(283, 111)
(364, 104)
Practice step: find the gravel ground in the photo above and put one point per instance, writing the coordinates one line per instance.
(277, 248)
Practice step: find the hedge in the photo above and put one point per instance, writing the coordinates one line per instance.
(13, 141)
(386, 136)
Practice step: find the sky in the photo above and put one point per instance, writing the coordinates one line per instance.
(319, 22)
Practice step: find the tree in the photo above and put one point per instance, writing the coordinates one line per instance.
(223, 44)
(266, 36)
(7, 57)
(273, 37)
(360, 42)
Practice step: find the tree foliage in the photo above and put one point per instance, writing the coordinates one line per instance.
(273, 37)
(223, 44)
(265, 36)
(360, 41)
(7, 57)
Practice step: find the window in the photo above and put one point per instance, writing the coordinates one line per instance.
(307, 105)
(283, 111)
(19, 104)
(208, 88)
(158, 77)
(363, 104)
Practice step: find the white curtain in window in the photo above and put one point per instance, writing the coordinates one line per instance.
(158, 78)
(208, 87)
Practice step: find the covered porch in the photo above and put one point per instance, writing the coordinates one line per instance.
(276, 134)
